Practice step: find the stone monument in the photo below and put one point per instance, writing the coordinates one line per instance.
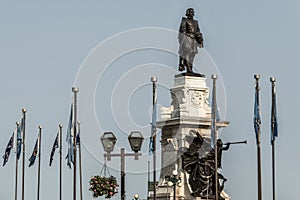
(188, 115)
(186, 129)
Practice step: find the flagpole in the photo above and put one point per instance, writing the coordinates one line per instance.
(80, 169)
(214, 121)
(39, 164)
(23, 164)
(16, 181)
(153, 80)
(272, 80)
(273, 168)
(60, 161)
(148, 179)
(75, 91)
(257, 76)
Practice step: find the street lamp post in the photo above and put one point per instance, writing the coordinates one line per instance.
(136, 197)
(109, 140)
(173, 180)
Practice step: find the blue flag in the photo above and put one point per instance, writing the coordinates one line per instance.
(214, 109)
(274, 124)
(19, 141)
(55, 146)
(78, 136)
(70, 155)
(34, 153)
(70, 124)
(8, 149)
(256, 118)
(153, 127)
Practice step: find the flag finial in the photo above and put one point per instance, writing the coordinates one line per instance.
(75, 89)
(214, 76)
(153, 79)
(273, 79)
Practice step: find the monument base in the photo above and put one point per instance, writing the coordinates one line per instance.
(190, 74)
(189, 113)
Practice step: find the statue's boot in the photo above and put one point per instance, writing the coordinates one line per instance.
(181, 64)
(189, 68)
(189, 63)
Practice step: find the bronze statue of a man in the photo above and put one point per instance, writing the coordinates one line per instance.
(189, 38)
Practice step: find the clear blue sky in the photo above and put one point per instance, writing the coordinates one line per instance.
(45, 48)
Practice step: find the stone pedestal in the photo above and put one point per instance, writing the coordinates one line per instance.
(189, 112)
(189, 98)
